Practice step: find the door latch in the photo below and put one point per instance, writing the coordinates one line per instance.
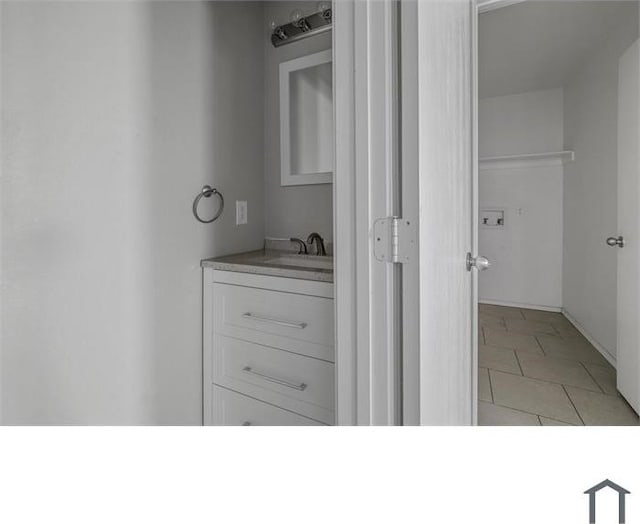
(394, 240)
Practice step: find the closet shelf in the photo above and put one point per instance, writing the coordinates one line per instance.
(555, 158)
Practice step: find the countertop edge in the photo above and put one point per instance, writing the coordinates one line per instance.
(284, 272)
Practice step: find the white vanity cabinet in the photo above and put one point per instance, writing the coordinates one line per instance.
(268, 350)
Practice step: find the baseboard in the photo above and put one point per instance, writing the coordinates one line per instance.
(518, 304)
(603, 351)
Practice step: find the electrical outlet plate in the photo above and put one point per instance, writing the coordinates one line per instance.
(241, 212)
(492, 218)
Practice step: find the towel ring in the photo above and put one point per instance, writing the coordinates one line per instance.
(206, 192)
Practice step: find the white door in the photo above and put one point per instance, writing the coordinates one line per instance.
(439, 197)
(628, 307)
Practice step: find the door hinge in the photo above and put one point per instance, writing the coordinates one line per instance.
(393, 240)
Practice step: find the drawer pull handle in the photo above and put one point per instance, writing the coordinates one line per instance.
(271, 320)
(300, 387)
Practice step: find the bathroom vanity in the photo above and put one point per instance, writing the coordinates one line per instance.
(268, 319)
(268, 339)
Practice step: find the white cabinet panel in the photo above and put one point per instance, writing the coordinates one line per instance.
(233, 409)
(298, 383)
(298, 323)
(268, 350)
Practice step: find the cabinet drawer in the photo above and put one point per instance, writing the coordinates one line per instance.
(294, 382)
(299, 323)
(233, 409)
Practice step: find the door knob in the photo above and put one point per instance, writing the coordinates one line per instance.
(480, 263)
(615, 241)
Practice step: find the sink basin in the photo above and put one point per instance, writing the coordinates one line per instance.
(302, 261)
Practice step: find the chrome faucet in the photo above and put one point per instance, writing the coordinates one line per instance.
(302, 247)
(320, 250)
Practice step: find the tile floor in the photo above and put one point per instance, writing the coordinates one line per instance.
(536, 369)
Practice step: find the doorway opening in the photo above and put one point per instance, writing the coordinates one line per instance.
(558, 189)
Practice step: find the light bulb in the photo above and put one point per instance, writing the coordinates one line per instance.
(323, 6)
(296, 15)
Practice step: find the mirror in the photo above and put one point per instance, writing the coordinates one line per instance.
(306, 120)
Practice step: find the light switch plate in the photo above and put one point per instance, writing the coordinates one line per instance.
(241, 212)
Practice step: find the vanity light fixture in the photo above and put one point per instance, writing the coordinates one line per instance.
(302, 26)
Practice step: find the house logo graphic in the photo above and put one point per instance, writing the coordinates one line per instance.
(592, 492)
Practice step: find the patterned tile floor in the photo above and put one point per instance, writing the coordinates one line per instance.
(536, 369)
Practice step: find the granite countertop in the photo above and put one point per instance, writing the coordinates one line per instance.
(275, 263)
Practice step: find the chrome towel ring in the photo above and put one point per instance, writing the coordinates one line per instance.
(206, 192)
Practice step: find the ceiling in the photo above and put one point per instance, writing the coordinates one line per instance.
(541, 44)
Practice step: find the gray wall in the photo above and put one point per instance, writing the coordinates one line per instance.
(590, 188)
(291, 210)
(113, 117)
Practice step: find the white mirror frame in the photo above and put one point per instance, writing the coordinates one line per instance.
(286, 68)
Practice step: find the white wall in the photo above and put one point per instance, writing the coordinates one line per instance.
(113, 117)
(524, 123)
(289, 210)
(526, 254)
(590, 188)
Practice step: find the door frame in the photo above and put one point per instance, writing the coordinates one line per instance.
(477, 7)
(344, 196)
(364, 189)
